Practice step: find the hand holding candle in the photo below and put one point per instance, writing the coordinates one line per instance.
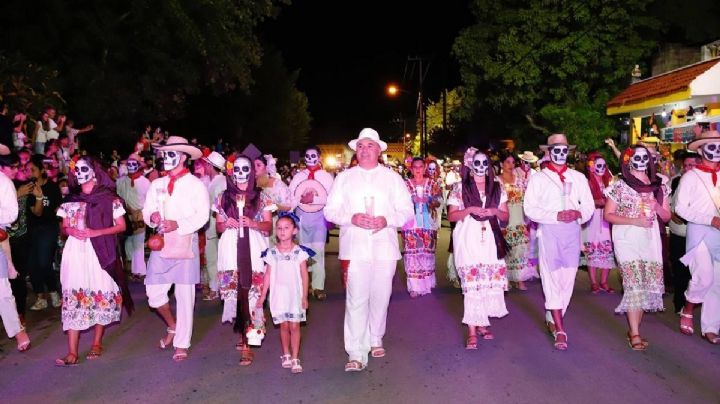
(241, 210)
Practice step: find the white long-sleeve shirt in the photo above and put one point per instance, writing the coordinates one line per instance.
(692, 199)
(189, 204)
(391, 200)
(544, 199)
(216, 187)
(8, 201)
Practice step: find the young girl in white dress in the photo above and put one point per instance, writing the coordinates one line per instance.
(286, 276)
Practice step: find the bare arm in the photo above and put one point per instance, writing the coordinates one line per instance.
(305, 283)
(265, 287)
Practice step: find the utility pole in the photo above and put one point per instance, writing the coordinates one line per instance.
(422, 105)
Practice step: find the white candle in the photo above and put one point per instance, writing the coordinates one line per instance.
(370, 205)
(241, 206)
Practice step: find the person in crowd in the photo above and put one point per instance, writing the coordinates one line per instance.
(286, 277)
(217, 185)
(44, 230)
(177, 206)
(697, 202)
(133, 189)
(151, 172)
(420, 233)
(309, 208)
(72, 133)
(245, 223)
(93, 280)
(20, 139)
(41, 132)
(477, 203)
(8, 214)
(634, 204)
(20, 240)
(521, 265)
(560, 201)
(596, 238)
(678, 230)
(451, 178)
(274, 189)
(432, 171)
(369, 202)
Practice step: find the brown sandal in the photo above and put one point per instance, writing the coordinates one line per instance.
(96, 351)
(637, 346)
(246, 356)
(68, 361)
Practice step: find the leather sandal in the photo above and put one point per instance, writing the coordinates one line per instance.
(286, 362)
(354, 366)
(606, 288)
(471, 343)
(163, 344)
(594, 288)
(246, 356)
(180, 354)
(561, 345)
(68, 361)
(637, 346)
(96, 351)
(644, 341)
(686, 329)
(486, 334)
(377, 352)
(296, 366)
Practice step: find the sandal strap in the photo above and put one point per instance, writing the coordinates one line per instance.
(170, 330)
(685, 315)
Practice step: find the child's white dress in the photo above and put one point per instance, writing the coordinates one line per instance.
(286, 288)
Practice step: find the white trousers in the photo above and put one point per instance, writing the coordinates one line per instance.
(184, 306)
(369, 287)
(317, 269)
(704, 287)
(558, 288)
(211, 257)
(135, 251)
(8, 310)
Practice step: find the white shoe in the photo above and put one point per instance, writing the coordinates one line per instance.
(55, 299)
(40, 304)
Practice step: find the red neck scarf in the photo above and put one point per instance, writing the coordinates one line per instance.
(706, 169)
(135, 176)
(312, 170)
(558, 171)
(173, 178)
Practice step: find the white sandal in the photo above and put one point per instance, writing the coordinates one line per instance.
(286, 361)
(296, 367)
(686, 329)
(170, 331)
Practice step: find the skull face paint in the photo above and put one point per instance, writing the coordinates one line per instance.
(83, 172)
(312, 157)
(132, 166)
(432, 169)
(711, 152)
(480, 165)
(600, 167)
(640, 160)
(241, 170)
(559, 154)
(171, 159)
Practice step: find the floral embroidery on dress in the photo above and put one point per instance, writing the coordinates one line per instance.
(82, 309)
(481, 276)
(599, 254)
(643, 286)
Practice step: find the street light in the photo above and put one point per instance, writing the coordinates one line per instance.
(393, 90)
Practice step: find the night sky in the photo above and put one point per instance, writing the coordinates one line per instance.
(347, 52)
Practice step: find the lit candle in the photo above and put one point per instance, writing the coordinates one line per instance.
(161, 197)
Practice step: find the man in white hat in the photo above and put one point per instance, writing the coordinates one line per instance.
(217, 185)
(369, 202)
(133, 188)
(527, 159)
(559, 200)
(698, 202)
(178, 206)
(309, 189)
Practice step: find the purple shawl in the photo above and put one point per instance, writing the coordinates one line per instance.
(493, 191)
(99, 215)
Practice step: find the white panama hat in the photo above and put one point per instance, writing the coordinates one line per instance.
(216, 159)
(371, 134)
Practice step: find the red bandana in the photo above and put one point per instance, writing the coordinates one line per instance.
(135, 176)
(707, 169)
(173, 178)
(312, 170)
(558, 171)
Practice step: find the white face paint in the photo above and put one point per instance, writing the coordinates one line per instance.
(83, 172)
(132, 166)
(312, 158)
(558, 154)
(171, 159)
(711, 151)
(600, 166)
(241, 170)
(432, 169)
(480, 165)
(640, 160)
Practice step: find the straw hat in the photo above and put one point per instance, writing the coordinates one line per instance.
(528, 156)
(178, 143)
(216, 159)
(704, 137)
(557, 139)
(371, 134)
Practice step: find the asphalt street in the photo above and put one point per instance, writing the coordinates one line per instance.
(426, 361)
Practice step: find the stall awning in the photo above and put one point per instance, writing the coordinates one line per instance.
(699, 79)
